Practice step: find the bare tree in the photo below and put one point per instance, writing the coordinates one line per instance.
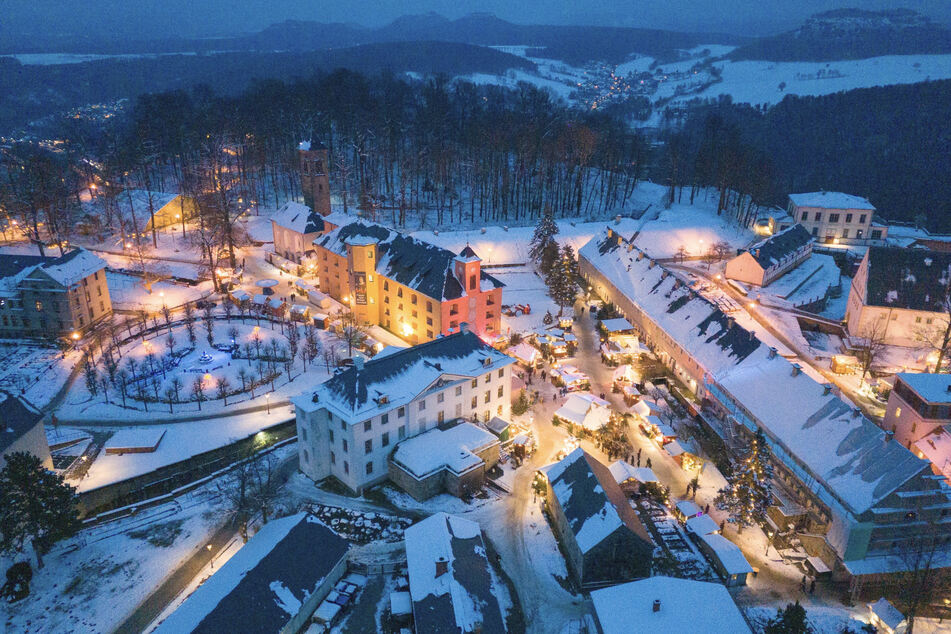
(198, 391)
(223, 386)
(352, 331)
(721, 250)
(681, 253)
(937, 335)
(871, 345)
(925, 579)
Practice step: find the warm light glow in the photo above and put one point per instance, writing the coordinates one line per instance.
(257, 328)
(128, 245)
(407, 330)
(751, 305)
(75, 336)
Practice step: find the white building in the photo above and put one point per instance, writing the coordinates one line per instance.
(834, 217)
(769, 259)
(21, 429)
(347, 428)
(899, 294)
(296, 226)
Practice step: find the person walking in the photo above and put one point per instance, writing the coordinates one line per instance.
(812, 585)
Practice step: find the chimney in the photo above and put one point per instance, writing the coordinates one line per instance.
(796, 369)
(949, 387)
(656, 606)
(752, 335)
(464, 327)
(856, 412)
(730, 322)
(442, 566)
(358, 362)
(617, 219)
(772, 352)
(826, 388)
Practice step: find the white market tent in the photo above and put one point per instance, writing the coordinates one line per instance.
(585, 409)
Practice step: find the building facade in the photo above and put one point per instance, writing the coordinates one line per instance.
(900, 296)
(919, 405)
(314, 176)
(837, 218)
(51, 297)
(771, 258)
(21, 429)
(349, 426)
(413, 289)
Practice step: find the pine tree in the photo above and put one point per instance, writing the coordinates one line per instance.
(748, 493)
(563, 279)
(35, 505)
(789, 620)
(544, 249)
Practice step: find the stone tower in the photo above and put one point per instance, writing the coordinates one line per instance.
(314, 179)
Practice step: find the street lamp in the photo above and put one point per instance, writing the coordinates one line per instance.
(267, 399)
(212, 559)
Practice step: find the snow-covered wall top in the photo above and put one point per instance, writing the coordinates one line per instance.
(831, 200)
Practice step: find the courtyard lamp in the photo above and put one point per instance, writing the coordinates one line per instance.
(267, 399)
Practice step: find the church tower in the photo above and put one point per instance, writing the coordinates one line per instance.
(314, 179)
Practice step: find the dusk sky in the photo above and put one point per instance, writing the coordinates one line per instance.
(160, 18)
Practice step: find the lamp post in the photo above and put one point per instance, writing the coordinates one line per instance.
(212, 558)
(769, 540)
(267, 399)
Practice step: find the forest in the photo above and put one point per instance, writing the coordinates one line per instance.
(890, 144)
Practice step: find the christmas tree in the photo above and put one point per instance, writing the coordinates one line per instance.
(749, 489)
(562, 279)
(544, 249)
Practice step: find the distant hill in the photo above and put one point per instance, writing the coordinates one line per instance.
(573, 44)
(851, 34)
(44, 90)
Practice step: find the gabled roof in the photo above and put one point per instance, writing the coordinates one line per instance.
(462, 598)
(297, 217)
(409, 261)
(261, 588)
(775, 248)
(916, 279)
(591, 499)
(402, 375)
(66, 269)
(685, 606)
(696, 324)
(454, 449)
(16, 419)
(831, 200)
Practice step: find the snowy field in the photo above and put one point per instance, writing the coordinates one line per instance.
(695, 227)
(33, 371)
(806, 283)
(128, 292)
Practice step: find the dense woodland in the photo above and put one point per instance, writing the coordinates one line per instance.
(890, 144)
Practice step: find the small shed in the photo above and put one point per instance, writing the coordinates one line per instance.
(685, 509)
(618, 326)
(499, 427)
(701, 525)
(401, 607)
(300, 312)
(525, 354)
(886, 618)
(321, 320)
(140, 440)
(727, 558)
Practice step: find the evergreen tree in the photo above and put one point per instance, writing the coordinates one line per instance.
(35, 505)
(563, 279)
(748, 493)
(789, 620)
(544, 249)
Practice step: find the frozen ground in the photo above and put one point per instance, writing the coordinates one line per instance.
(34, 371)
(695, 227)
(806, 283)
(128, 292)
(91, 582)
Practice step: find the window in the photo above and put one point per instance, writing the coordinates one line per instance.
(862, 219)
(876, 234)
(818, 216)
(897, 412)
(331, 435)
(440, 397)
(384, 419)
(845, 233)
(918, 319)
(422, 405)
(303, 433)
(429, 321)
(369, 468)
(441, 417)
(429, 334)
(454, 309)
(333, 458)
(848, 218)
(343, 425)
(929, 321)
(499, 410)
(412, 299)
(472, 282)
(386, 285)
(367, 425)
(368, 446)
(833, 218)
(346, 446)
(501, 372)
(346, 467)
(399, 292)
(475, 402)
(39, 305)
(401, 412)
(815, 231)
(475, 382)
(402, 432)
(385, 442)
(488, 378)
(500, 391)
(429, 307)
(805, 215)
(415, 315)
(453, 325)
(488, 395)
(458, 390)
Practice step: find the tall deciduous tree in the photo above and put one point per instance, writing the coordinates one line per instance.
(36, 506)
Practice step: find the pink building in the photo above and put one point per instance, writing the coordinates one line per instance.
(919, 405)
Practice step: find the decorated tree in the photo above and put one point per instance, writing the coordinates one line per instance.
(36, 506)
(562, 279)
(544, 249)
(748, 493)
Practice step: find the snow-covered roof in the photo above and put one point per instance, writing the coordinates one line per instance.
(624, 373)
(779, 246)
(702, 525)
(585, 409)
(263, 586)
(299, 218)
(622, 472)
(697, 325)
(831, 200)
(16, 419)
(403, 375)
(461, 599)
(525, 353)
(887, 613)
(146, 437)
(855, 462)
(646, 408)
(454, 449)
(934, 388)
(685, 606)
(728, 553)
(240, 294)
(140, 199)
(593, 503)
(618, 324)
(688, 508)
(73, 266)
(409, 261)
(936, 447)
(916, 279)
(569, 374)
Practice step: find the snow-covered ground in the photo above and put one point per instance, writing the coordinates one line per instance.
(695, 227)
(806, 283)
(34, 371)
(128, 292)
